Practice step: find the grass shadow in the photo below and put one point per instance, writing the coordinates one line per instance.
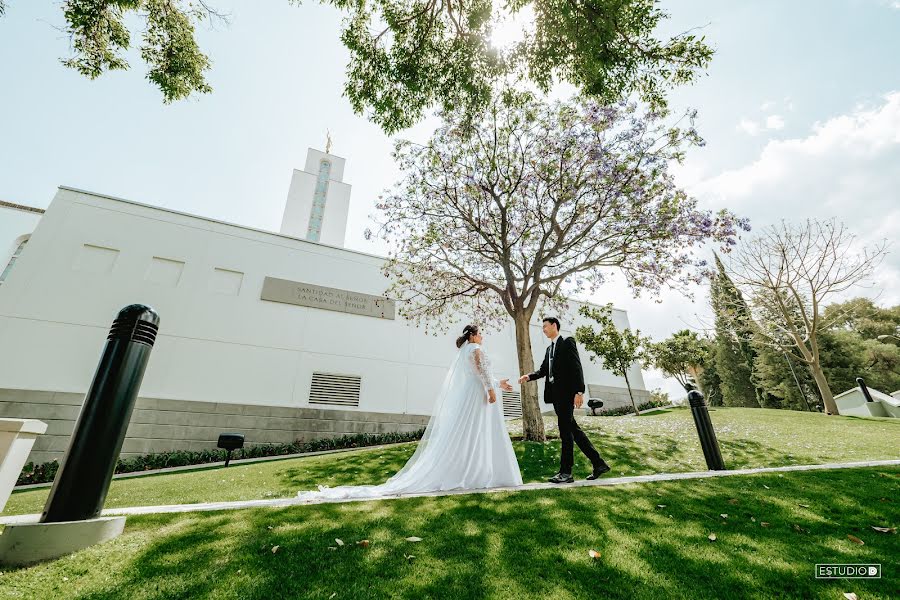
(652, 539)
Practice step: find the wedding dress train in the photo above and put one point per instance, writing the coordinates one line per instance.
(465, 445)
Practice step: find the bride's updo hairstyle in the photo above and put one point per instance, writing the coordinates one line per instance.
(468, 331)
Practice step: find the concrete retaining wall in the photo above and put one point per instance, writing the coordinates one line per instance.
(614, 397)
(159, 425)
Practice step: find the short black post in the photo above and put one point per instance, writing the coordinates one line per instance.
(865, 390)
(230, 442)
(705, 430)
(82, 482)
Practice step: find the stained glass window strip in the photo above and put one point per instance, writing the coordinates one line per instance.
(317, 213)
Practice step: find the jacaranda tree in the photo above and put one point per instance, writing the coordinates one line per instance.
(506, 215)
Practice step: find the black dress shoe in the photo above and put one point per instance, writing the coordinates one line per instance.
(561, 478)
(598, 471)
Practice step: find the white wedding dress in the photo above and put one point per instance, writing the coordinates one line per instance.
(465, 445)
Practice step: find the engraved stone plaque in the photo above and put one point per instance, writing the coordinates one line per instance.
(316, 296)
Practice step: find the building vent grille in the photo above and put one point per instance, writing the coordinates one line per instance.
(334, 389)
(512, 405)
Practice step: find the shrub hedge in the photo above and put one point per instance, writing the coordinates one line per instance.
(627, 410)
(45, 472)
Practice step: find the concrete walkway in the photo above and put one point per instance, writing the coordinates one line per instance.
(650, 411)
(611, 481)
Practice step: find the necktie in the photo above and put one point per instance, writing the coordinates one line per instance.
(552, 349)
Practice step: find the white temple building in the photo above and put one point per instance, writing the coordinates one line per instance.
(280, 336)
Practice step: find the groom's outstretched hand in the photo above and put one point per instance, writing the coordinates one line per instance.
(504, 385)
(523, 379)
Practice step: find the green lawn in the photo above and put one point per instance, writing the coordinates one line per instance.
(652, 538)
(658, 442)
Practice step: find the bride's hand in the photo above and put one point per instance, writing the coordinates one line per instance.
(504, 385)
(492, 396)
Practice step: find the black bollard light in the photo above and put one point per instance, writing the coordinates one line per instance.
(82, 482)
(705, 430)
(230, 442)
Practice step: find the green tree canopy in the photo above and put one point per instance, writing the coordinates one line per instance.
(618, 349)
(407, 56)
(681, 356)
(410, 55)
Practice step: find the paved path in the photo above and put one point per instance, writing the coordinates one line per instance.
(281, 502)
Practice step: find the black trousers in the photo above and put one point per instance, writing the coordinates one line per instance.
(569, 431)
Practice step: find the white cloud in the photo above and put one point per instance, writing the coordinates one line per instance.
(749, 127)
(774, 122)
(752, 127)
(847, 167)
(767, 105)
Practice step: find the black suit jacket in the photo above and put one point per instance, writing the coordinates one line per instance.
(568, 377)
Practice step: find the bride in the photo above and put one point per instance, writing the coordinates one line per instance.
(465, 446)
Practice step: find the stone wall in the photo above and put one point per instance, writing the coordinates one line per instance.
(159, 425)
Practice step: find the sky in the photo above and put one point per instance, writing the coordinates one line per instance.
(800, 110)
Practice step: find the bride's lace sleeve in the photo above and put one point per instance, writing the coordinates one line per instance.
(482, 370)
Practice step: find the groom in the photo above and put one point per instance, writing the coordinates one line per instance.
(564, 389)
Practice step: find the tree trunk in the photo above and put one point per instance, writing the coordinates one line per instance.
(532, 421)
(824, 389)
(630, 395)
(696, 373)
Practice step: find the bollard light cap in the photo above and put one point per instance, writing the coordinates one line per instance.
(139, 312)
(135, 323)
(696, 399)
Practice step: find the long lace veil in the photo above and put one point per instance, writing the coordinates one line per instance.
(447, 402)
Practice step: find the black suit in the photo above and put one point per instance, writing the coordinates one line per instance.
(568, 380)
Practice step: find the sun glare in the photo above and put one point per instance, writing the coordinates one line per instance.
(510, 29)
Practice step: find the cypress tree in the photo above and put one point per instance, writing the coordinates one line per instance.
(734, 352)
